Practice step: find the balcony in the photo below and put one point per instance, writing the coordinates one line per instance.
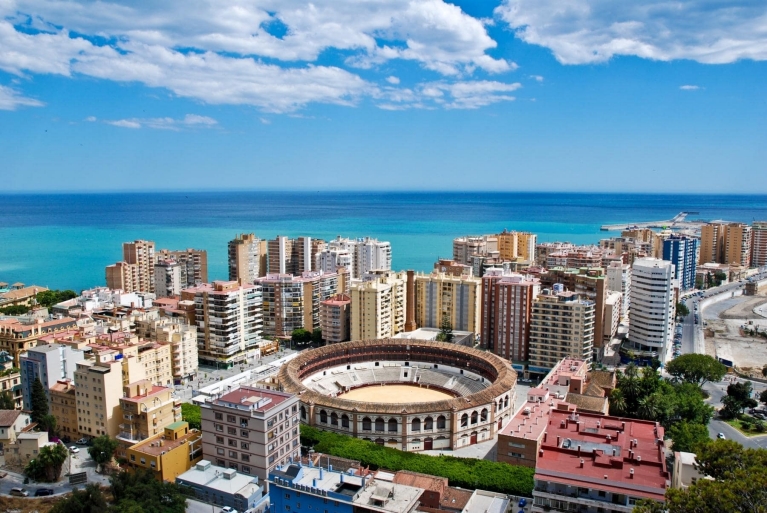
(582, 502)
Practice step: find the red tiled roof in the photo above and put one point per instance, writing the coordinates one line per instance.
(243, 395)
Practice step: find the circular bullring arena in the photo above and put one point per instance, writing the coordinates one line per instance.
(408, 394)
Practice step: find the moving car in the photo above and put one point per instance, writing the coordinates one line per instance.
(43, 492)
(19, 492)
(720, 436)
(228, 509)
(82, 441)
(74, 449)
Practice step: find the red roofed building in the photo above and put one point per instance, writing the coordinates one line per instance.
(597, 463)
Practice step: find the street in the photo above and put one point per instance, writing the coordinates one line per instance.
(716, 392)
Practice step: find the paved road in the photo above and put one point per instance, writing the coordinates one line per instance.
(81, 462)
(716, 392)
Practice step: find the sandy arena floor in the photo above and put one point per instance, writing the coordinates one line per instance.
(390, 394)
(723, 333)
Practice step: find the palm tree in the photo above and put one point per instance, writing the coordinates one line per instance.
(617, 403)
(647, 408)
(52, 458)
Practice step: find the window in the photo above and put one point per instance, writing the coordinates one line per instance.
(232, 454)
(323, 416)
(602, 493)
(220, 451)
(415, 425)
(392, 425)
(245, 469)
(243, 422)
(231, 430)
(441, 421)
(516, 455)
(244, 445)
(474, 417)
(219, 439)
(133, 457)
(244, 433)
(245, 457)
(366, 424)
(219, 416)
(219, 427)
(143, 461)
(379, 424)
(230, 418)
(344, 421)
(464, 420)
(334, 419)
(232, 442)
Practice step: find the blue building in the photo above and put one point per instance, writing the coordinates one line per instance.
(682, 251)
(296, 487)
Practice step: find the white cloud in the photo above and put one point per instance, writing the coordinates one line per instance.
(218, 54)
(450, 95)
(188, 121)
(10, 99)
(588, 31)
(91, 119)
(689, 87)
(537, 78)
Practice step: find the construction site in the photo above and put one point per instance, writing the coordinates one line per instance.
(736, 331)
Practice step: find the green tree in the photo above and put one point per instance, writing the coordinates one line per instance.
(300, 336)
(48, 298)
(192, 414)
(140, 491)
(317, 336)
(763, 396)
(687, 436)
(696, 368)
(39, 402)
(6, 401)
(103, 449)
(52, 458)
(445, 330)
(89, 500)
(617, 403)
(649, 506)
(14, 310)
(741, 393)
(681, 309)
(49, 423)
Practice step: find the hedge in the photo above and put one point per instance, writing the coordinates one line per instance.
(192, 414)
(462, 472)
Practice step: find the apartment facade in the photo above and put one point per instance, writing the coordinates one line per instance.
(359, 256)
(759, 244)
(561, 325)
(167, 454)
(507, 300)
(619, 280)
(63, 405)
(651, 318)
(146, 410)
(682, 251)
(98, 391)
(292, 302)
(193, 264)
(228, 319)
(517, 245)
(49, 364)
(20, 334)
(378, 306)
(167, 278)
(292, 256)
(247, 258)
(335, 318)
(123, 276)
(441, 296)
(141, 253)
(726, 243)
(251, 430)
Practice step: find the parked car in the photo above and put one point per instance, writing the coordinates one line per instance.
(228, 509)
(74, 449)
(19, 492)
(82, 441)
(43, 492)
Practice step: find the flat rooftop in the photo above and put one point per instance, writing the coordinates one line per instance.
(599, 451)
(488, 502)
(252, 399)
(152, 447)
(225, 480)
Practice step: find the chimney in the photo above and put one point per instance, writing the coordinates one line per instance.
(631, 473)
(581, 463)
(410, 302)
(557, 440)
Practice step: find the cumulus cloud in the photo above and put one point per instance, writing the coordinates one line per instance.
(188, 121)
(11, 99)
(451, 95)
(537, 78)
(590, 31)
(689, 87)
(234, 55)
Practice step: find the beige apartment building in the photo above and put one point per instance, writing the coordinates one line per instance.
(228, 319)
(722, 243)
(167, 278)
(464, 248)
(171, 331)
(146, 410)
(63, 406)
(456, 298)
(99, 385)
(251, 430)
(247, 258)
(123, 276)
(561, 325)
(335, 318)
(292, 256)
(140, 359)
(193, 264)
(141, 254)
(378, 306)
(18, 335)
(292, 302)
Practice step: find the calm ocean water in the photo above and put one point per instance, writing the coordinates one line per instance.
(64, 241)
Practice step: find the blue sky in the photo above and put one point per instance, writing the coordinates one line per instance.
(583, 95)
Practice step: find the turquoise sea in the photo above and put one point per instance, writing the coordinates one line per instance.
(66, 240)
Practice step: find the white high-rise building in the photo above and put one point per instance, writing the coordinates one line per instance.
(359, 256)
(651, 317)
(619, 280)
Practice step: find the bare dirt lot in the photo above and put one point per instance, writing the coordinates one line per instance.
(727, 332)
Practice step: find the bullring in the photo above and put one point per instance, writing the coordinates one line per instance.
(476, 391)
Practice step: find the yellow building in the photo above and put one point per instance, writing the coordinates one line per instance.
(98, 390)
(141, 359)
(725, 244)
(517, 245)
(168, 454)
(146, 410)
(378, 306)
(440, 295)
(18, 335)
(64, 408)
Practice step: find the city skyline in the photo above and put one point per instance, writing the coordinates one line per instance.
(503, 95)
